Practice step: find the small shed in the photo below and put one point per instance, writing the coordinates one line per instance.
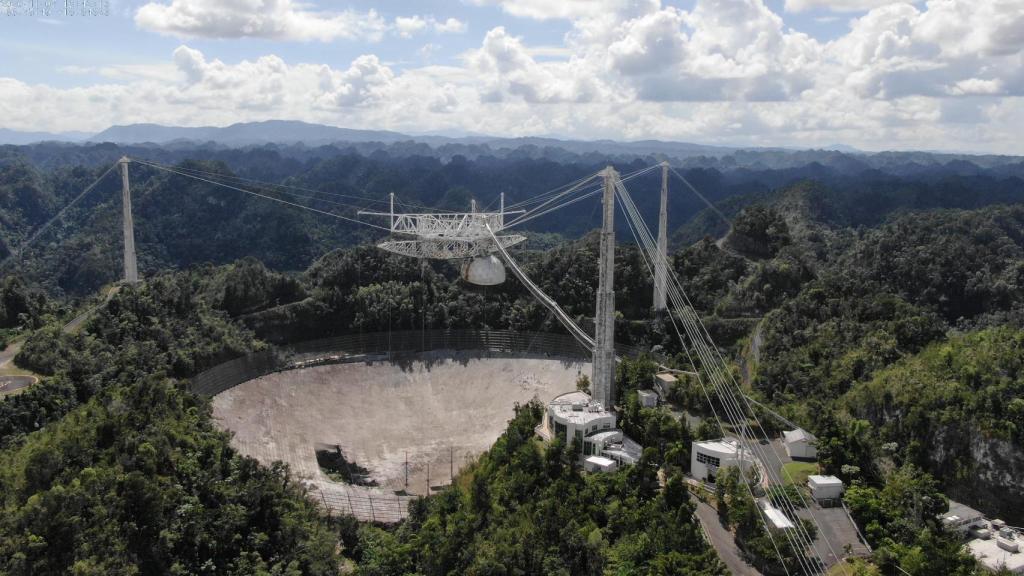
(648, 398)
(599, 464)
(825, 487)
(663, 382)
(800, 444)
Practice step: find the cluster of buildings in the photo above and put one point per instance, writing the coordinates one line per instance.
(992, 543)
(576, 417)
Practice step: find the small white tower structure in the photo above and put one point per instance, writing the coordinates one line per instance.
(603, 375)
(661, 265)
(131, 270)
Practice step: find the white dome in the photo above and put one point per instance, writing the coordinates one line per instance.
(484, 271)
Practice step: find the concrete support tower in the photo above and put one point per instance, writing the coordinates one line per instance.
(661, 264)
(603, 376)
(131, 270)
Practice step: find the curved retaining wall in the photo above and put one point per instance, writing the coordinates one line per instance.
(389, 346)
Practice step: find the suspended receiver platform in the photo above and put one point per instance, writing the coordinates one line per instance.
(463, 236)
(446, 236)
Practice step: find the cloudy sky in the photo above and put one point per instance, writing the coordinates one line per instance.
(875, 74)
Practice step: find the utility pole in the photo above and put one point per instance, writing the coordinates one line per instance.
(661, 264)
(603, 374)
(131, 270)
(406, 469)
(451, 465)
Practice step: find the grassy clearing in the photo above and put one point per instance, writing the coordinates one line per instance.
(797, 472)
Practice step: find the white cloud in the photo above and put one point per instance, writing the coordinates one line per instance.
(75, 70)
(364, 80)
(274, 19)
(407, 26)
(450, 26)
(951, 47)
(552, 9)
(508, 70)
(976, 86)
(725, 71)
(840, 5)
(721, 50)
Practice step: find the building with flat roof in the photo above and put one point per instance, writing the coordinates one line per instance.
(575, 416)
(961, 517)
(994, 554)
(663, 382)
(707, 457)
(825, 488)
(599, 464)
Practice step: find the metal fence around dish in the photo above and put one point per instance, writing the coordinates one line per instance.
(390, 346)
(383, 508)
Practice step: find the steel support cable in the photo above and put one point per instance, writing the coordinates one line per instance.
(633, 228)
(577, 332)
(701, 196)
(590, 194)
(555, 191)
(570, 190)
(535, 214)
(311, 209)
(199, 172)
(708, 358)
(798, 547)
(544, 195)
(723, 392)
(38, 232)
(266, 188)
(745, 400)
(740, 400)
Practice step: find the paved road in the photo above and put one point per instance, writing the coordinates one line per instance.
(723, 542)
(835, 525)
(9, 353)
(77, 321)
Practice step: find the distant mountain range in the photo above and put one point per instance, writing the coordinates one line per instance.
(21, 138)
(294, 132)
(303, 137)
(245, 134)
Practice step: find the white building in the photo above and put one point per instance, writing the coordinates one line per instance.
(599, 464)
(961, 518)
(708, 456)
(648, 398)
(825, 488)
(1003, 551)
(574, 416)
(800, 444)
